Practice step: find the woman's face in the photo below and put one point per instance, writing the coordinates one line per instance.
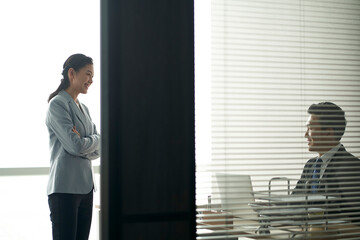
(81, 80)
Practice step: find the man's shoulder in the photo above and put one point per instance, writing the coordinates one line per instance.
(344, 153)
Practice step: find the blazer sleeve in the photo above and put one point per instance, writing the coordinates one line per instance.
(59, 120)
(97, 153)
(93, 156)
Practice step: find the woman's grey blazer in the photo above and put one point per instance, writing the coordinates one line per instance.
(70, 155)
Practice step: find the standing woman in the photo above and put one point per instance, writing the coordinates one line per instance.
(74, 142)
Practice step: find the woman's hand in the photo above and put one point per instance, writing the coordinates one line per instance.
(75, 131)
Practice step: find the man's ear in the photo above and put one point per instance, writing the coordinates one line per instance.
(330, 132)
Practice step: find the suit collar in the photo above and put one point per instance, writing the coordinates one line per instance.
(329, 154)
(66, 95)
(340, 156)
(79, 114)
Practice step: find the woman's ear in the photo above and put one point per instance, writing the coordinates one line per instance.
(71, 73)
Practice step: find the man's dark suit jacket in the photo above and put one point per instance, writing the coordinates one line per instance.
(341, 179)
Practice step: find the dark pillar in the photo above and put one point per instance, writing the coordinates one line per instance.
(147, 124)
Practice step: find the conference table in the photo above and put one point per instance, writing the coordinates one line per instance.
(279, 217)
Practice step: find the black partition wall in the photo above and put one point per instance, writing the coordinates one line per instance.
(147, 120)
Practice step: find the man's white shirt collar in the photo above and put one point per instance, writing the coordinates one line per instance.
(327, 157)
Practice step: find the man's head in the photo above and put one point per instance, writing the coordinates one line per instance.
(325, 126)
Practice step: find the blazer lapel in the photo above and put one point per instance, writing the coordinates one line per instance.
(79, 113)
(81, 116)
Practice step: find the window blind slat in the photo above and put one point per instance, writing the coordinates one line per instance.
(270, 60)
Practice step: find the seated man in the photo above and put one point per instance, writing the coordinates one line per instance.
(334, 172)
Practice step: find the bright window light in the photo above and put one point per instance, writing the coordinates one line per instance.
(37, 37)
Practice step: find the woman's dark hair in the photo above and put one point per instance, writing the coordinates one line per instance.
(330, 115)
(75, 61)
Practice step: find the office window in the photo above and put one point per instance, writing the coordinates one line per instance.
(270, 60)
(36, 38)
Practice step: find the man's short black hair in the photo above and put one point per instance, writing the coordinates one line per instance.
(330, 116)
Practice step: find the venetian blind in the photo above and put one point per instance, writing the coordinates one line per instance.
(270, 60)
